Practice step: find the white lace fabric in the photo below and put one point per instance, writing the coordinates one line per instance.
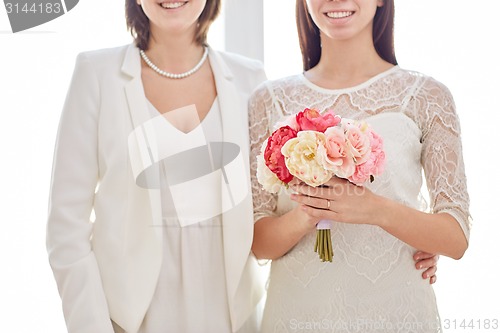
(372, 284)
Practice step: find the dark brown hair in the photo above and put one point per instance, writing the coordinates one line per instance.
(138, 22)
(310, 41)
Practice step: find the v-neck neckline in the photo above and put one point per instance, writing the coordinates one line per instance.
(210, 111)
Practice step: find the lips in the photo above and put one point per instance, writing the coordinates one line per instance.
(339, 14)
(172, 5)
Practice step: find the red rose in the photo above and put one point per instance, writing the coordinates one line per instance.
(273, 157)
(312, 120)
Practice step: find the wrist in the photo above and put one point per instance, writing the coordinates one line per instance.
(301, 225)
(386, 209)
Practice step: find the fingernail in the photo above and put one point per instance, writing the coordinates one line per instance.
(420, 266)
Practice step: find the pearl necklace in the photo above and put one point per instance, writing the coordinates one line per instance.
(172, 75)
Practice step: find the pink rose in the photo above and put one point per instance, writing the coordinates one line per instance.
(337, 156)
(377, 160)
(376, 142)
(273, 157)
(374, 165)
(362, 173)
(377, 155)
(359, 142)
(312, 120)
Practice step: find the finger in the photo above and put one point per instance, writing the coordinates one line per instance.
(419, 255)
(336, 181)
(426, 263)
(311, 201)
(321, 213)
(428, 273)
(326, 192)
(320, 191)
(433, 279)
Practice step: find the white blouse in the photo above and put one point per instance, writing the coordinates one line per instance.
(191, 291)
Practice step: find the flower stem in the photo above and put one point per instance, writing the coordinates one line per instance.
(323, 245)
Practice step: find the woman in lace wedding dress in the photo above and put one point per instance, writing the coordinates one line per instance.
(371, 285)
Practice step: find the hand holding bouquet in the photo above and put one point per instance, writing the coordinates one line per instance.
(312, 148)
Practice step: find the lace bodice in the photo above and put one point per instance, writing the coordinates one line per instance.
(416, 116)
(426, 102)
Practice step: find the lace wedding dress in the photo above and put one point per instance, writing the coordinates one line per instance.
(372, 284)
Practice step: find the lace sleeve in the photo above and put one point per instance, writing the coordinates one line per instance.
(260, 106)
(441, 157)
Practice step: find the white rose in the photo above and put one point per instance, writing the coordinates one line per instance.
(303, 159)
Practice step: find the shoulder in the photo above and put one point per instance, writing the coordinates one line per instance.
(107, 60)
(245, 73)
(236, 60)
(105, 54)
(424, 84)
(290, 81)
(432, 102)
(277, 86)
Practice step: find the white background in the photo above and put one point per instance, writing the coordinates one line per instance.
(456, 41)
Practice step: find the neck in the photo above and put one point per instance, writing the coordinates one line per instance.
(174, 53)
(348, 60)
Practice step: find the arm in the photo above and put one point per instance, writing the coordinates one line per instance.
(431, 232)
(274, 235)
(437, 233)
(445, 229)
(74, 180)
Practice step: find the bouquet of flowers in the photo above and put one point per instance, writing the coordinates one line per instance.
(312, 148)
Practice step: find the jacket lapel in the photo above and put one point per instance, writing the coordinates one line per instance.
(237, 222)
(134, 89)
(144, 245)
(139, 115)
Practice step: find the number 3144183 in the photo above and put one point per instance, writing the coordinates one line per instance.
(471, 324)
(34, 8)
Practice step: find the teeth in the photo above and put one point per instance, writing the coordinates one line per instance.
(339, 14)
(172, 5)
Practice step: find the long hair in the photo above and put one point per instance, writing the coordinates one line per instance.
(138, 22)
(310, 41)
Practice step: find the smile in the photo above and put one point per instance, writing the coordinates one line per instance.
(172, 5)
(339, 15)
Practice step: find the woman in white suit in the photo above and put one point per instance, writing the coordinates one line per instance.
(150, 217)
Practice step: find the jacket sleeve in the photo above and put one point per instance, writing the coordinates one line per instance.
(75, 176)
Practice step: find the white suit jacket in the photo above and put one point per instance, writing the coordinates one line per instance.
(108, 268)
